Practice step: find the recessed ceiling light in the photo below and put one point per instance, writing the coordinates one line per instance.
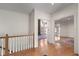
(52, 4)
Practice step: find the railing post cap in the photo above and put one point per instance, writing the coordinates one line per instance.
(6, 34)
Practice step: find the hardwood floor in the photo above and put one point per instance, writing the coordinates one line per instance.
(48, 49)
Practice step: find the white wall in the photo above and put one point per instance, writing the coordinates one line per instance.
(65, 12)
(39, 15)
(67, 29)
(13, 22)
(31, 22)
(78, 27)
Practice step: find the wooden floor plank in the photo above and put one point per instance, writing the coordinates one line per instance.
(48, 50)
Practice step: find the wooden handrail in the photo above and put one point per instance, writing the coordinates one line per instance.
(2, 37)
(16, 36)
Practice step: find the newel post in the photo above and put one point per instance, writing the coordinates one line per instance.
(6, 45)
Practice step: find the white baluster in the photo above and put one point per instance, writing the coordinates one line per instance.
(26, 41)
(10, 41)
(21, 43)
(13, 44)
(16, 43)
(29, 42)
(32, 41)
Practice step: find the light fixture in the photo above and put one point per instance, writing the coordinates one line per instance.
(52, 4)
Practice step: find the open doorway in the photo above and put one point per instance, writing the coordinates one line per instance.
(64, 31)
(42, 33)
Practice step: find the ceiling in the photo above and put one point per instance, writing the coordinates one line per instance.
(65, 20)
(28, 7)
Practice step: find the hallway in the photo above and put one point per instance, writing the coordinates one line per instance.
(23, 19)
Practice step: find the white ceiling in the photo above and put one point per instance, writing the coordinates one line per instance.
(28, 7)
(65, 20)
